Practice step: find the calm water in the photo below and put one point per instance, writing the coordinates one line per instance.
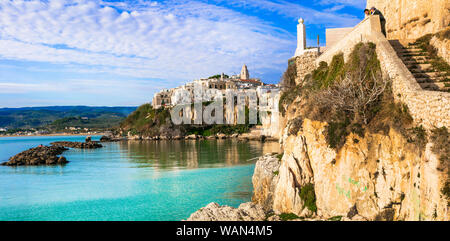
(166, 180)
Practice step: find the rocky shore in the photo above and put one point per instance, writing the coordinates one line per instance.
(41, 155)
(78, 145)
(49, 155)
(219, 136)
(265, 180)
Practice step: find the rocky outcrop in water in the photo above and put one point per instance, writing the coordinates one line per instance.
(265, 178)
(79, 145)
(111, 139)
(41, 155)
(214, 212)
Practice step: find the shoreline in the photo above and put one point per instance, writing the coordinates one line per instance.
(56, 134)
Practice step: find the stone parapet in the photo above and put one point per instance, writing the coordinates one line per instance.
(305, 64)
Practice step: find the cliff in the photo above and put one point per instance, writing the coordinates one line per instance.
(351, 152)
(367, 161)
(406, 19)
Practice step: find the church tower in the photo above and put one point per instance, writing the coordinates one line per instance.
(244, 73)
(301, 38)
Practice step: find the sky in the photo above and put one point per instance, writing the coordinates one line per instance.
(119, 53)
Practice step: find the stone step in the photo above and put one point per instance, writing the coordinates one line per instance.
(412, 62)
(430, 75)
(430, 80)
(412, 55)
(417, 58)
(433, 86)
(407, 50)
(418, 66)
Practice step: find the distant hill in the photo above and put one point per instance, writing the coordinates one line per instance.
(58, 117)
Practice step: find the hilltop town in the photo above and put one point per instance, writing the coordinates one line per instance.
(224, 83)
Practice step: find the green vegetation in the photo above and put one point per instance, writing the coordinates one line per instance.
(279, 156)
(288, 216)
(335, 218)
(438, 63)
(287, 97)
(417, 135)
(444, 34)
(209, 130)
(217, 76)
(55, 118)
(276, 173)
(288, 82)
(147, 121)
(446, 192)
(441, 146)
(308, 196)
(353, 97)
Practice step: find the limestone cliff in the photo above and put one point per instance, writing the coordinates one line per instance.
(407, 19)
(384, 176)
(361, 162)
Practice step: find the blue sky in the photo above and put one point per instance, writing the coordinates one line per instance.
(119, 53)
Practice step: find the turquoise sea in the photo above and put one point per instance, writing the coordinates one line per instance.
(148, 180)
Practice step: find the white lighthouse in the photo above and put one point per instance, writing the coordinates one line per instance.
(301, 38)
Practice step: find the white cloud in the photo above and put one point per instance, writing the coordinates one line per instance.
(297, 9)
(174, 41)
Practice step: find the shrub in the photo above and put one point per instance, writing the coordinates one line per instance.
(279, 156)
(336, 133)
(441, 145)
(417, 135)
(289, 76)
(287, 97)
(335, 218)
(295, 125)
(288, 216)
(436, 61)
(308, 196)
(444, 34)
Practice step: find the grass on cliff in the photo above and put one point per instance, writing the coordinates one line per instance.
(441, 146)
(438, 63)
(308, 195)
(353, 97)
(288, 216)
(147, 121)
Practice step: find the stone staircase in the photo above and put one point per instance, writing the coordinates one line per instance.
(418, 63)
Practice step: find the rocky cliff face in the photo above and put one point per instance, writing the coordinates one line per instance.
(406, 19)
(377, 177)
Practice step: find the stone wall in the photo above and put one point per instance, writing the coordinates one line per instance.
(442, 46)
(305, 64)
(334, 35)
(358, 34)
(428, 108)
(411, 19)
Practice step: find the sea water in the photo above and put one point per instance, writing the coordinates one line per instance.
(134, 180)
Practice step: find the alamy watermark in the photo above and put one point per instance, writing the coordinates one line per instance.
(200, 105)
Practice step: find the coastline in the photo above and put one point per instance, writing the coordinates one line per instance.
(56, 134)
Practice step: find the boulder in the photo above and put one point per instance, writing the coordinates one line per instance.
(214, 212)
(79, 145)
(221, 136)
(41, 155)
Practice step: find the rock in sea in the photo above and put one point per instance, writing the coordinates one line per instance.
(41, 155)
